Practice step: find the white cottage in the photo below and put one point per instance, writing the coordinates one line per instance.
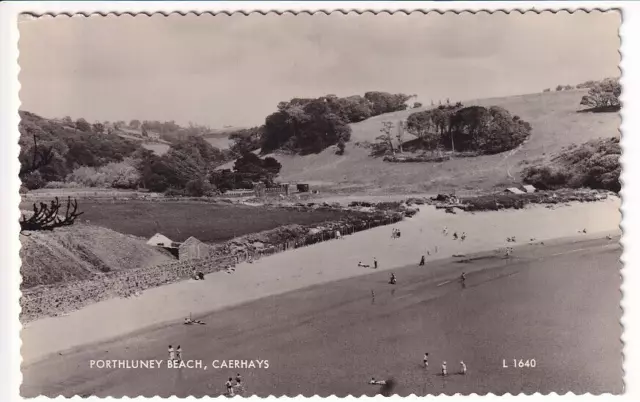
(160, 240)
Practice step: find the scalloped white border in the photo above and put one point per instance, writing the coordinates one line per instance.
(10, 376)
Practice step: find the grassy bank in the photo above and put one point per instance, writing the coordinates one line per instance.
(208, 222)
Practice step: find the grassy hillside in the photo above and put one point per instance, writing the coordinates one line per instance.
(80, 252)
(211, 223)
(555, 122)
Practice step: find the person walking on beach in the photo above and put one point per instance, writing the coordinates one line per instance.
(445, 231)
(463, 368)
(375, 263)
(179, 353)
(229, 385)
(464, 236)
(421, 261)
(172, 353)
(444, 369)
(425, 360)
(455, 235)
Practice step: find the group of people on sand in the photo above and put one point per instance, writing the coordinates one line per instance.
(395, 233)
(462, 237)
(189, 321)
(375, 264)
(425, 362)
(234, 387)
(444, 371)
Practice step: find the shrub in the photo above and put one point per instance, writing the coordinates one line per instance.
(595, 164)
(603, 95)
(199, 188)
(56, 184)
(33, 180)
(115, 175)
(546, 177)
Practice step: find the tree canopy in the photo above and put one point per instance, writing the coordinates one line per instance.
(473, 128)
(306, 126)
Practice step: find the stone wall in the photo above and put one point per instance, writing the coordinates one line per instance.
(52, 300)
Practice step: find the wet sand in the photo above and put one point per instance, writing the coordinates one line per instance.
(558, 304)
(317, 264)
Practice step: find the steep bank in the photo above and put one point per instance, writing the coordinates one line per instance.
(80, 252)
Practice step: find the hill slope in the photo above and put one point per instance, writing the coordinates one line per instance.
(81, 251)
(555, 123)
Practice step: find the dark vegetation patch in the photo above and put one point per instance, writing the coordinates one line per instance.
(499, 201)
(208, 222)
(474, 129)
(594, 164)
(305, 126)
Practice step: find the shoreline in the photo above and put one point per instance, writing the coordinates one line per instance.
(280, 273)
(438, 268)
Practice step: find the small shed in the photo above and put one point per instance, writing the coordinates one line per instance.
(529, 188)
(514, 190)
(192, 248)
(160, 240)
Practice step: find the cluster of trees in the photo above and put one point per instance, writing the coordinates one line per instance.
(247, 170)
(560, 88)
(474, 128)
(246, 140)
(304, 126)
(59, 155)
(189, 168)
(50, 151)
(595, 164)
(603, 95)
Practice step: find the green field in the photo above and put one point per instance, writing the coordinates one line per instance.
(207, 222)
(554, 118)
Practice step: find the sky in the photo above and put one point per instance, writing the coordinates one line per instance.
(233, 70)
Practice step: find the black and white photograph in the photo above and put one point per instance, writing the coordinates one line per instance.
(342, 203)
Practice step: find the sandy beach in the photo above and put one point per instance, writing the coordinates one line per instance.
(317, 264)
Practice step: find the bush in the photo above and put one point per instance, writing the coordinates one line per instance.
(595, 164)
(56, 184)
(603, 95)
(113, 175)
(546, 177)
(199, 188)
(33, 181)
